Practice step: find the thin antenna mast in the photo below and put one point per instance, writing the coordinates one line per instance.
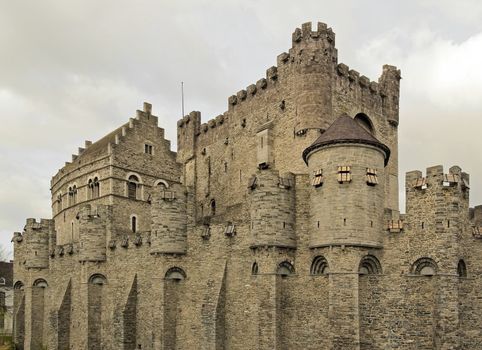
(182, 98)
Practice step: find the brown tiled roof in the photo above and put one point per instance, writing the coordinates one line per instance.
(346, 130)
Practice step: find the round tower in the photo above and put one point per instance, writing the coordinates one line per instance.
(272, 209)
(168, 228)
(347, 196)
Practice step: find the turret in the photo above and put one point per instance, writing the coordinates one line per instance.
(390, 90)
(36, 238)
(347, 167)
(314, 57)
(272, 210)
(187, 131)
(169, 220)
(93, 230)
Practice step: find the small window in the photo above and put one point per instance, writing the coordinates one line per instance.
(461, 269)
(213, 207)
(372, 178)
(230, 229)
(344, 174)
(319, 266)
(134, 224)
(148, 149)
(96, 188)
(132, 185)
(59, 202)
(254, 268)
(2, 281)
(284, 183)
(285, 269)
(317, 180)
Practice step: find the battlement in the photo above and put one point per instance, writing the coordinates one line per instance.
(33, 225)
(306, 33)
(435, 176)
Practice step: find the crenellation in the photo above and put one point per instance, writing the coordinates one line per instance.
(283, 58)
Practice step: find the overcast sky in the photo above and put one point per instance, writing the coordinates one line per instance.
(74, 70)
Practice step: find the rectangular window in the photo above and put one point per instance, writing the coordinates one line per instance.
(372, 178)
(344, 174)
(147, 149)
(317, 179)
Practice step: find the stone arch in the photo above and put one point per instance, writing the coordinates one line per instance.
(285, 268)
(97, 279)
(365, 122)
(40, 282)
(175, 273)
(18, 285)
(425, 267)
(462, 268)
(369, 265)
(319, 266)
(160, 182)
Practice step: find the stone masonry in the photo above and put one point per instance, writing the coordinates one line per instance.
(275, 225)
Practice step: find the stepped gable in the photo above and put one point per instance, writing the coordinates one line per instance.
(346, 130)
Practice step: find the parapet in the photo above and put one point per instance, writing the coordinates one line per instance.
(93, 231)
(306, 32)
(36, 237)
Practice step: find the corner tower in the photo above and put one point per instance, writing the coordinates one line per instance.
(348, 186)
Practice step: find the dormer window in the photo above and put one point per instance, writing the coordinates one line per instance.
(147, 148)
(344, 174)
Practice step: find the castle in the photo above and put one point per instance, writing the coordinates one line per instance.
(275, 226)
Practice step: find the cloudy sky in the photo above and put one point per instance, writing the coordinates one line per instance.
(75, 70)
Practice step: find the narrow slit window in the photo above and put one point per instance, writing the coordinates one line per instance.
(371, 177)
(344, 174)
(134, 224)
(317, 180)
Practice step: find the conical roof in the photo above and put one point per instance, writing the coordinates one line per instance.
(346, 130)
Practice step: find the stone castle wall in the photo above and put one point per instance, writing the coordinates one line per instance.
(235, 248)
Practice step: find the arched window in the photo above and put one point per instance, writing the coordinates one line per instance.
(213, 207)
(98, 279)
(462, 269)
(96, 188)
(319, 266)
(254, 268)
(285, 269)
(162, 184)
(369, 265)
(365, 122)
(132, 185)
(424, 267)
(175, 273)
(134, 223)
(18, 285)
(2, 281)
(90, 187)
(40, 283)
